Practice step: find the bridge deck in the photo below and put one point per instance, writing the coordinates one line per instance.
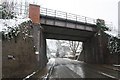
(66, 26)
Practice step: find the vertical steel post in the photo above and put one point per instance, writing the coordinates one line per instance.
(85, 19)
(66, 20)
(55, 17)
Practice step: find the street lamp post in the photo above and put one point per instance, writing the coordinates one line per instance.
(119, 18)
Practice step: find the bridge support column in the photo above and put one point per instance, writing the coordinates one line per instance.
(39, 37)
(40, 46)
(95, 49)
(90, 50)
(42, 49)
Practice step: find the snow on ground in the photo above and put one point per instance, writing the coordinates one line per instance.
(5, 23)
(116, 65)
(69, 56)
(51, 61)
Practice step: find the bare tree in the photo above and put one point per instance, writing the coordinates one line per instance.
(7, 8)
(75, 46)
(58, 46)
(62, 48)
(12, 8)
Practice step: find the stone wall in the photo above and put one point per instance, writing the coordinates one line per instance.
(40, 43)
(112, 59)
(90, 50)
(95, 50)
(18, 56)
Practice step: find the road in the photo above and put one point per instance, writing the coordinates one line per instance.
(70, 69)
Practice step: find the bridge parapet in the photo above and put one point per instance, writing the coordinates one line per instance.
(66, 16)
(73, 17)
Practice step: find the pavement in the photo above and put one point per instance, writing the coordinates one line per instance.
(113, 67)
(44, 73)
(40, 74)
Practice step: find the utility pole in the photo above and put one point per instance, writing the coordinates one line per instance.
(119, 19)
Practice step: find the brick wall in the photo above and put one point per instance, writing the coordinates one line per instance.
(34, 13)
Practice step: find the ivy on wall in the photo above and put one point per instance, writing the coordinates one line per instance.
(13, 31)
(113, 45)
(113, 42)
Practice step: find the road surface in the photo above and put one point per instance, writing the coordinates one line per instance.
(70, 69)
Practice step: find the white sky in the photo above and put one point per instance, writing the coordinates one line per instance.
(103, 9)
(51, 44)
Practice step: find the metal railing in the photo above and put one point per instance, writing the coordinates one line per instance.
(67, 16)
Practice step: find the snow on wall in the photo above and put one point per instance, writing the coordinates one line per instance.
(5, 23)
(112, 33)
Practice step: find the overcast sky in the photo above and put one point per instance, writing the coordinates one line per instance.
(103, 9)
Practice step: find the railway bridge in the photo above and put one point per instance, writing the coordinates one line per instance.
(53, 24)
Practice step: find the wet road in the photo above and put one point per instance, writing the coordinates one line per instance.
(66, 68)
